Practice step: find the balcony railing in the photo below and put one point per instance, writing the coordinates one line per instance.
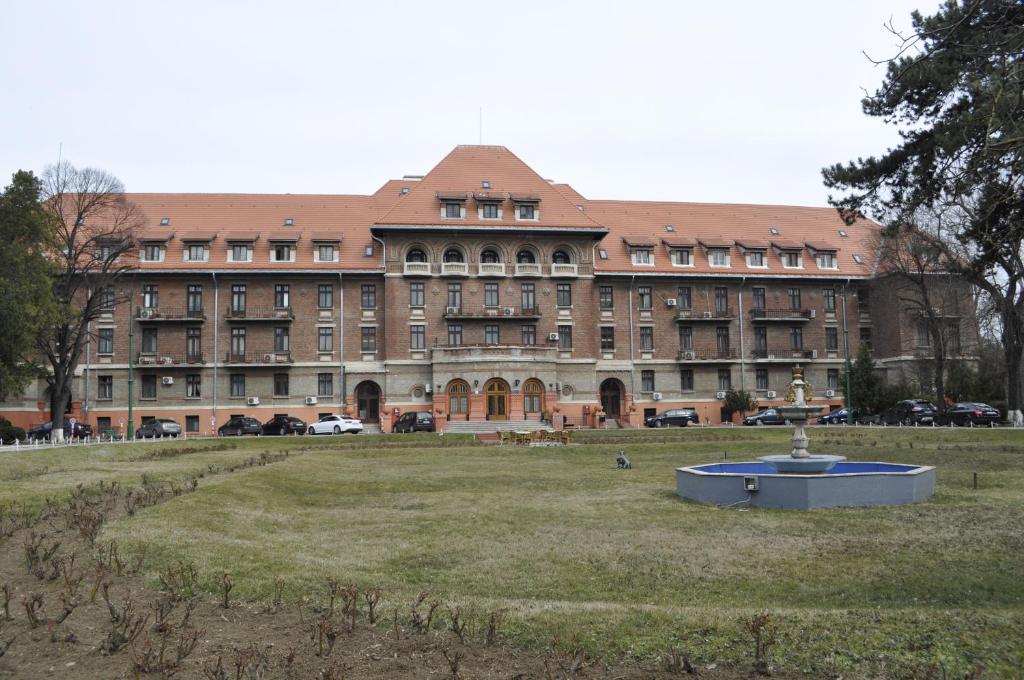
(763, 314)
(564, 269)
(416, 269)
(491, 268)
(493, 352)
(527, 269)
(454, 269)
(260, 314)
(159, 359)
(690, 315)
(492, 313)
(783, 353)
(169, 314)
(708, 354)
(258, 358)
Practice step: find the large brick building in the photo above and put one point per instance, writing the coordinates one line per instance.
(480, 291)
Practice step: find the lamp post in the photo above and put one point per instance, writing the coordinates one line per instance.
(130, 432)
(846, 351)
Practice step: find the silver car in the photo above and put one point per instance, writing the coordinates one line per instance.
(159, 427)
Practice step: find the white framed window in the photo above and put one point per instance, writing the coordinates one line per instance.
(718, 257)
(490, 211)
(682, 257)
(326, 252)
(282, 252)
(643, 257)
(791, 259)
(240, 252)
(453, 210)
(152, 252)
(827, 261)
(756, 259)
(195, 252)
(527, 211)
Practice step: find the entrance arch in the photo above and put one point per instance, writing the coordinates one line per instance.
(368, 401)
(533, 396)
(458, 400)
(496, 396)
(611, 397)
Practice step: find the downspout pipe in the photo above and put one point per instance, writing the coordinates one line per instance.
(632, 355)
(383, 324)
(846, 351)
(743, 361)
(216, 347)
(341, 343)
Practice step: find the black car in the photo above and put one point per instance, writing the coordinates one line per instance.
(283, 425)
(768, 416)
(415, 421)
(240, 425)
(43, 431)
(158, 427)
(967, 413)
(678, 417)
(910, 412)
(839, 416)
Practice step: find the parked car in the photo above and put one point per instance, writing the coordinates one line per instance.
(336, 425)
(415, 421)
(768, 416)
(158, 427)
(967, 413)
(840, 416)
(240, 425)
(678, 417)
(43, 431)
(283, 425)
(910, 412)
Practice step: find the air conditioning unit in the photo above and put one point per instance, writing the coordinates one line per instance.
(166, 361)
(252, 401)
(671, 302)
(509, 311)
(492, 312)
(147, 313)
(814, 354)
(656, 396)
(707, 315)
(427, 389)
(771, 394)
(688, 355)
(144, 359)
(267, 358)
(167, 380)
(281, 358)
(829, 394)
(451, 310)
(553, 337)
(814, 313)
(720, 395)
(310, 401)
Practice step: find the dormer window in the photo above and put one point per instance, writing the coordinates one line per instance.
(240, 252)
(826, 260)
(326, 252)
(489, 211)
(791, 259)
(282, 252)
(718, 257)
(757, 259)
(682, 257)
(152, 252)
(453, 210)
(526, 211)
(195, 252)
(105, 251)
(643, 256)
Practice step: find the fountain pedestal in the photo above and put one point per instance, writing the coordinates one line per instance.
(800, 461)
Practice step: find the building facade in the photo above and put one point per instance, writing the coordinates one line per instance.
(479, 291)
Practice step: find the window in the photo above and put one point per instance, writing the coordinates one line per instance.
(368, 296)
(686, 380)
(282, 296)
(453, 255)
(453, 210)
(644, 297)
(533, 393)
(721, 300)
(646, 338)
(492, 336)
(761, 340)
(832, 339)
(106, 251)
(194, 300)
(193, 386)
(643, 256)
(565, 338)
(561, 257)
(761, 378)
(828, 296)
(490, 295)
(238, 298)
(238, 342)
(682, 257)
(796, 338)
(416, 294)
(529, 334)
(368, 339)
(237, 384)
(282, 252)
(280, 384)
(152, 252)
(281, 339)
(827, 261)
(105, 387)
(685, 297)
(325, 339)
(150, 296)
(455, 295)
(607, 338)
(417, 338)
(605, 299)
(241, 252)
(833, 378)
(863, 299)
(455, 334)
(415, 255)
(191, 423)
(106, 341)
(685, 338)
(325, 296)
(718, 257)
(564, 294)
(326, 253)
(193, 343)
(149, 341)
(149, 386)
(759, 298)
(106, 296)
(525, 256)
(489, 256)
(646, 381)
(324, 384)
(724, 379)
(953, 336)
(924, 335)
(794, 299)
(755, 258)
(529, 297)
(195, 252)
(791, 259)
(527, 211)
(722, 340)
(865, 336)
(489, 211)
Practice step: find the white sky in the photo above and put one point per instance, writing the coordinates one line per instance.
(690, 101)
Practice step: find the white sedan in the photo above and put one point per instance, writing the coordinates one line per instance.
(336, 425)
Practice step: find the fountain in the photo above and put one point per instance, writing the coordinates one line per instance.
(802, 480)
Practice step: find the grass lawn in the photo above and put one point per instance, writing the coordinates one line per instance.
(610, 560)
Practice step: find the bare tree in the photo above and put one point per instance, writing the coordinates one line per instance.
(94, 247)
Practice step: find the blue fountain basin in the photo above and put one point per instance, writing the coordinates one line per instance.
(846, 484)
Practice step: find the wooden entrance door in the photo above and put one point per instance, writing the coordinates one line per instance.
(496, 394)
(611, 398)
(458, 400)
(368, 401)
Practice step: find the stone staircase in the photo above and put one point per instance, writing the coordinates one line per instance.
(478, 427)
(371, 428)
(612, 424)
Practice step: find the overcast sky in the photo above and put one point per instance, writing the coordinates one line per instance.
(690, 101)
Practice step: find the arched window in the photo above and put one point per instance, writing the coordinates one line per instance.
(525, 256)
(416, 255)
(561, 256)
(533, 396)
(453, 255)
(490, 255)
(458, 397)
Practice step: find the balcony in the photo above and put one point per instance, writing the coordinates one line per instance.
(416, 268)
(492, 353)
(564, 270)
(714, 354)
(259, 314)
(787, 354)
(491, 269)
(715, 315)
(258, 358)
(492, 313)
(527, 269)
(158, 359)
(454, 269)
(762, 314)
(153, 314)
